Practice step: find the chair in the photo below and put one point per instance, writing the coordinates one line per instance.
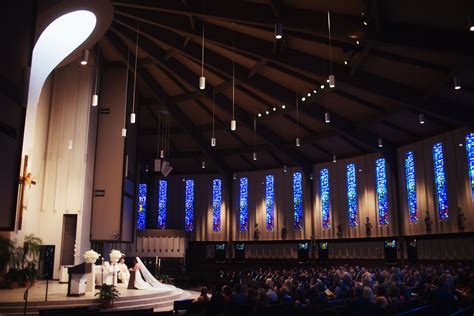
(182, 305)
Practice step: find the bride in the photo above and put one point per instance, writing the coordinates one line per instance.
(144, 280)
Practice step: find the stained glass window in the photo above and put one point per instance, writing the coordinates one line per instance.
(382, 193)
(325, 198)
(411, 186)
(269, 202)
(141, 216)
(298, 199)
(216, 204)
(440, 181)
(352, 195)
(162, 188)
(470, 158)
(189, 205)
(244, 204)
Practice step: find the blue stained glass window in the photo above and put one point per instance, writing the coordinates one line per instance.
(440, 181)
(269, 202)
(352, 195)
(162, 188)
(244, 204)
(141, 216)
(411, 186)
(216, 204)
(382, 193)
(189, 206)
(298, 199)
(470, 158)
(325, 198)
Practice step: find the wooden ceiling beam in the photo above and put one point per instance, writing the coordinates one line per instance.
(178, 115)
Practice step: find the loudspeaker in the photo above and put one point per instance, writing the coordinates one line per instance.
(46, 262)
(239, 253)
(323, 251)
(166, 168)
(220, 253)
(412, 250)
(157, 165)
(390, 249)
(303, 252)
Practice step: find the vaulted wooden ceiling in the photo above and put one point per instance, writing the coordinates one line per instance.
(401, 64)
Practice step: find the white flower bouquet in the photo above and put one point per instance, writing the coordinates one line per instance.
(115, 255)
(90, 256)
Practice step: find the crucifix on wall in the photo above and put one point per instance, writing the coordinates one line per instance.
(26, 179)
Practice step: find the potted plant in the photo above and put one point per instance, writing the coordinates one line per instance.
(30, 275)
(13, 278)
(31, 249)
(6, 248)
(107, 295)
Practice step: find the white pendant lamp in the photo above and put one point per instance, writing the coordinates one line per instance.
(278, 31)
(327, 117)
(85, 57)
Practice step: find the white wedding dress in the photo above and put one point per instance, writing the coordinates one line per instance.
(148, 281)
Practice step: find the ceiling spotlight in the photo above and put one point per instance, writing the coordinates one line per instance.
(259, 114)
(322, 86)
(85, 57)
(471, 24)
(203, 164)
(421, 118)
(309, 94)
(266, 112)
(278, 31)
(314, 91)
(254, 156)
(457, 84)
(327, 117)
(332, 81)
(365, 23)
(334, 158)
(357, 42)
(303, 99)
(283, 106)
(274, 109)
(380, 142)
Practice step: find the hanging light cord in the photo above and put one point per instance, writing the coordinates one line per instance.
(297, 116)
(213, 101)
(330, 43)
(202, 51)
(159, 135)
(97, 69)
(233, 70)
(135, 72)
(126, 83)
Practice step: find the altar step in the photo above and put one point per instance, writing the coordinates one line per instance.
(160, 302)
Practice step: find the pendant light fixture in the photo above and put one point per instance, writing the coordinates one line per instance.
(124, 128)
(332, 79)
(457, 83)
(334, 158)
(327, 117)
(85, 57)
(202, 79)
(233, 122)
(203, 164)
(297, 123)
(380, 142)
(213, 138)
(278, 31)
(421, 118)
(133, 115)
(471, 24)
(95, 96)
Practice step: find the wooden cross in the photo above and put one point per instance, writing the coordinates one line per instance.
(25, 179)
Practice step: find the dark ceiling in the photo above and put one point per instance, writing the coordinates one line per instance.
(401, 64)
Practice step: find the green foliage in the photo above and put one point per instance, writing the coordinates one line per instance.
(31, 248)
(6, 248)
(108, 292)
(14, 275)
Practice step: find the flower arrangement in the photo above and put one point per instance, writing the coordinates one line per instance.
(115, 255)
(91, 256)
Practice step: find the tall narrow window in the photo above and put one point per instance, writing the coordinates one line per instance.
(216, 204)
(244, 204)
(141, 216)
(298, 199)
(352, 195)
(440, 181)
(325, 197)
(470, 159)
(382, 193)
(411, 186)
(189, 206)
(269, 202)
(162, 188)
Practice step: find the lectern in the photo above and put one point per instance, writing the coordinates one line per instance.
(76, 285)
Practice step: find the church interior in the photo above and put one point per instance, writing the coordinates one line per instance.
(260, 157)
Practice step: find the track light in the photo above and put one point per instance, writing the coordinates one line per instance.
(421, 118)
(314, 91)
(283, 106)
(203, 164)
(259, 114)
(95, 100)
(85, 57)
(298, 144)
(274, 109)
(202, 83)
(303, 99)
(254, 156)
(471, 24)
(457, 84)
(327, 117)
(322, 86)
(278, 31)
(380, 141)
(124, 132)
(357, 42)
(365, 23)
(213, 141)
(332, 81)
(132, 118)
(334, 158)
(266, 112)
(233, 125)
(309, 94)
(345, 62)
